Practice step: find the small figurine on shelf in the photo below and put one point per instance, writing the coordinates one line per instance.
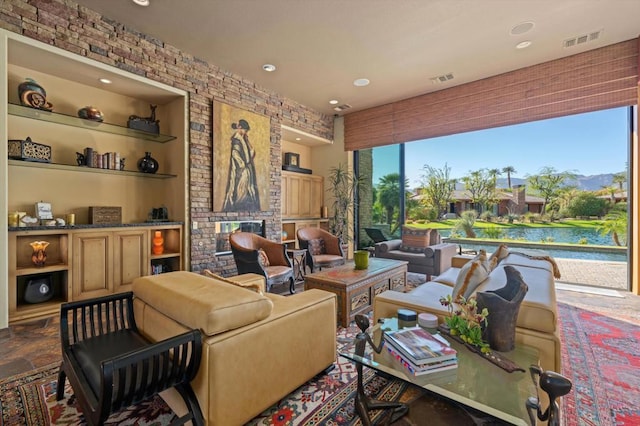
(33, 95)
(146, 124)
(90, 113)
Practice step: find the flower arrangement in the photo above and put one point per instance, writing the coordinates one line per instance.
(465, 321)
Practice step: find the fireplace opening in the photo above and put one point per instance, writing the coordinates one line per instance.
(225, 228)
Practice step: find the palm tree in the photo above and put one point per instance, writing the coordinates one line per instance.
(620, 179)
(389, 194)
(509, 170)
(615, 223)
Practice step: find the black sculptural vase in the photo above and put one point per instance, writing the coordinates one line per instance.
(148, 164)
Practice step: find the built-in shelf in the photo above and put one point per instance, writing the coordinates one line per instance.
(32, 270)
(164, 255)
(69, 120)
(83, 169)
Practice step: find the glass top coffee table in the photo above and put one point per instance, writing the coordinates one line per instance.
(476, 383)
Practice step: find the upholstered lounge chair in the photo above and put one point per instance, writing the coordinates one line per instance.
(257, 255)
(324, 249)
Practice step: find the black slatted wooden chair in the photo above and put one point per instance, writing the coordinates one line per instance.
(111, 366)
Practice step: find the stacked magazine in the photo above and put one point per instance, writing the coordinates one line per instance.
(420, 352)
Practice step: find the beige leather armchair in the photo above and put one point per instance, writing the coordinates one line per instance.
(256, 348)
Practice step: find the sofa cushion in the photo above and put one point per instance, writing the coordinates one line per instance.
(317, 246)
(471, 275)
(199, 302)
(538, 310)
(414, 240)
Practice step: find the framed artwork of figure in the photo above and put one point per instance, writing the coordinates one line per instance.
(241, 159)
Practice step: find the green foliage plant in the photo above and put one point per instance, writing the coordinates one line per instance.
(493, 232)
(465, 321)
(466, 222)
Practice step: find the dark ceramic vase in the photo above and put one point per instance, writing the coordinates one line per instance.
(33, 95)
(148, 164)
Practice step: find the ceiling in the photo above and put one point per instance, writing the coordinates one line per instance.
(321, 46)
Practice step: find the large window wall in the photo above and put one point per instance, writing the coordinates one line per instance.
(593, 146)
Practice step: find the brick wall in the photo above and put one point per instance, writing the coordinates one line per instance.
(64, 24)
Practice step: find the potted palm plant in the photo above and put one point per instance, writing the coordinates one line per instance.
(343, 185)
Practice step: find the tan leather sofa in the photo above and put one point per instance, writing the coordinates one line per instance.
(256, 348)
(537, 318)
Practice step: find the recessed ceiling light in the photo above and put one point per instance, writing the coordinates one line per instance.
(269, 67)
(298, 139)
(522, 28)
(333, 102)
(141, 2)
(523, 44)
(105, 81)
(361, 82)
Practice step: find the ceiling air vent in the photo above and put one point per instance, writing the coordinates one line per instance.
(342, 107)
(582, 39)
(442, 78)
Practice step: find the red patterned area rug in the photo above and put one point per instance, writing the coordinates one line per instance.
(30, 399)
(601, 356)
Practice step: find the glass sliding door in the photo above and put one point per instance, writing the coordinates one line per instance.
(380, 205)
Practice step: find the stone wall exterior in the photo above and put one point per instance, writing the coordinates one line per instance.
(66, 25)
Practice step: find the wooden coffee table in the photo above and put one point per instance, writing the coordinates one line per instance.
(357, 288)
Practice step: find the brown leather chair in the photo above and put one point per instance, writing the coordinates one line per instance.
(255, 254)
(323, 248)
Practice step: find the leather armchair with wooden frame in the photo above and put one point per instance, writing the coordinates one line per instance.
(250, 250)
(324, 249)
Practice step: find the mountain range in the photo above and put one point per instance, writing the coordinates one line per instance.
(585, 183)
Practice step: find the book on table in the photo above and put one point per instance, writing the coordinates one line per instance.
(420, 370)
(419, 347)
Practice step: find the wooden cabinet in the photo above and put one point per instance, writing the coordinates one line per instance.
(99, 260)
(302, 195)
(87, 262)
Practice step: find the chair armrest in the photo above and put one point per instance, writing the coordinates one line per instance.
(442, 254)
(136, 375)
(386, 246)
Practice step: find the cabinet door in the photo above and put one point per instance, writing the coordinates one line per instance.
(92, 264)
(317, 195)
(130, 257)
(304, 197)
(293, 196)
(285, 194)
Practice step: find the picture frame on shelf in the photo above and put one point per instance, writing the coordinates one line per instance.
(43, 211)
(292, 159)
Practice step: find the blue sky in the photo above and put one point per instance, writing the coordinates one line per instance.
(586, 144)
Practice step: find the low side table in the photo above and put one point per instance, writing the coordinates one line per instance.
(299, 258)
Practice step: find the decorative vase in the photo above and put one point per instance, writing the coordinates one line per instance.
(33, 95)
(158, 243)
(148, 164)
(503, 305)
(284, 235)
(90, 113)
(39, 255)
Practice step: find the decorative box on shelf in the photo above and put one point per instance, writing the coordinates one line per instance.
(28, 150)
(105, 215)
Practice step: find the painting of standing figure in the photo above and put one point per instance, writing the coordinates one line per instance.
(241, 141)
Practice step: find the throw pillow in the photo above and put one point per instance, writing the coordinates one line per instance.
(482, 258)
(317, 247)
(501, 252)
(469, 278)
(262, 258)
(414, 240)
